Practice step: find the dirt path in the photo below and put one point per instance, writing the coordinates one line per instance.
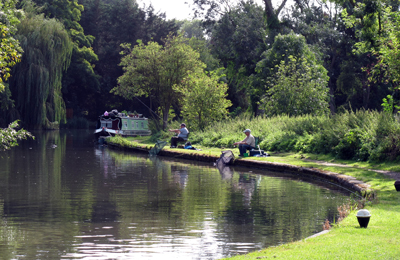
(393, 175)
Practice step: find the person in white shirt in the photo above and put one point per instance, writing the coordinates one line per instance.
(247, 144)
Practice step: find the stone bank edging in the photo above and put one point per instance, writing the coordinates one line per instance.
(343, 180)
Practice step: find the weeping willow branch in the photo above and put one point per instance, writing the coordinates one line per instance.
(36, 81)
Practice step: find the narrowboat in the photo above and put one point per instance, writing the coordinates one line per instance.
(115, 123)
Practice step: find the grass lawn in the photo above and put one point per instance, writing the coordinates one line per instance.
(346, 240)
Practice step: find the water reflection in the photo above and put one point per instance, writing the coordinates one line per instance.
(180, 175)
(225, 171)
(61, 197)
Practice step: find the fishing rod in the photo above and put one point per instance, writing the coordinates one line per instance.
(148, 107)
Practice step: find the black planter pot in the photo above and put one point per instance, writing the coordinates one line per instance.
(363, 221)
(397, 185)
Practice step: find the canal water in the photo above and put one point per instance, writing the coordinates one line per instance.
(64, 197)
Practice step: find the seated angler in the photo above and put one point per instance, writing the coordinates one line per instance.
(247, 144)
(181, 137)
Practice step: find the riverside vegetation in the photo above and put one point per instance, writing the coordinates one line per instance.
(362, 144)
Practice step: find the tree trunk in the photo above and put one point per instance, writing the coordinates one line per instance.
(271, 15)
(154, 115)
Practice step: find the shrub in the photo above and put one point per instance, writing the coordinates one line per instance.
(361, 135)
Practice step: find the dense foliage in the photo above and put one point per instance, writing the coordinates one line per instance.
(377, 26)
(10, 51)
(113, 23)
(10, 54)
(238, 39)
(204, 99)
(294, 82)
(9, 136)
(155, 71)
(298, 87)
(36, 82)
(361, 135)
(79, 78)
(308, 58)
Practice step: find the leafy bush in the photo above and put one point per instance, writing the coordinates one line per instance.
(361, 135)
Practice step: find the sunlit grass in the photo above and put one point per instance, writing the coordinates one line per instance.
(346, 241)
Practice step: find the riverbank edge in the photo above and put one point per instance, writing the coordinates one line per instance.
(342, 180)
(346, 240)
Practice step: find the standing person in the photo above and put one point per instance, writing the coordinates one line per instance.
(247, 144)
(181, 137)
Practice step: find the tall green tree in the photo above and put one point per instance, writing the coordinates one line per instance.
(369, 24)
(194, 31)
(10, 50)
(204, 99)
(155, 71)
(283, 48)
(299, 87)
(238, 39)
(321, 25)
(10, 54)
(36, 84)
(113, 22)
(192, 28)
(212, 10)
(388, 53)
(80, 81)
(202, 47)
(378, 31)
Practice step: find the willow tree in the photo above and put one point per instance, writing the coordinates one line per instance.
(36, 81)
(80, 81)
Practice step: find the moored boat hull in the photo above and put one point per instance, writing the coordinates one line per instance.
(114, 123)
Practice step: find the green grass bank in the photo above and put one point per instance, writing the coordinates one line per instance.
(376, 133)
